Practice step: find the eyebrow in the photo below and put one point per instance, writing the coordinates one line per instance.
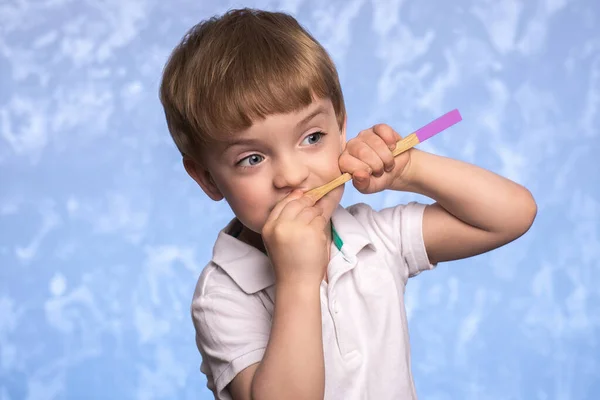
(319, 110)
(251, 141)
(241, 142)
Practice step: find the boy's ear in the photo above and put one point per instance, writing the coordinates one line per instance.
(203, 178)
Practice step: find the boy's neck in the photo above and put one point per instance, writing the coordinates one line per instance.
(252, 238)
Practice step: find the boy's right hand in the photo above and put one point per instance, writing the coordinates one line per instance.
(295, 239)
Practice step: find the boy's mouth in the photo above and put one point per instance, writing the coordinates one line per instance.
(317, 202)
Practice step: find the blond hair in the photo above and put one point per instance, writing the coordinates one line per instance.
(230, 71)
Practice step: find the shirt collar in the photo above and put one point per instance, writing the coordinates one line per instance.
(251, 269)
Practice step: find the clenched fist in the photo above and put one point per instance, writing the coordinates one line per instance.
(296, 242)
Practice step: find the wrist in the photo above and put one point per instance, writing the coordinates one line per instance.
(408, 179)
(299, 288)
(300, 296)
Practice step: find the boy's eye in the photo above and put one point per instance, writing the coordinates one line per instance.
(251, 160)
(313, 137)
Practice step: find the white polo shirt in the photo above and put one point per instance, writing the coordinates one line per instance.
(365, 332)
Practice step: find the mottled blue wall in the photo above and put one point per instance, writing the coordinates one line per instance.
(102, 235)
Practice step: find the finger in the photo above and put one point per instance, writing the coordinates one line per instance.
(319, 222)
(366, 154)
(389, 135)
(350, 164)
(383, 152)
(308, 214)
(361, 180)
(292, 209)
(276, 212)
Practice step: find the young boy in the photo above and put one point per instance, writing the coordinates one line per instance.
(304, 300)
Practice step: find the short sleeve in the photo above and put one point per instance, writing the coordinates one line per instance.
(411, 239)
(399, 229)
(232, 332)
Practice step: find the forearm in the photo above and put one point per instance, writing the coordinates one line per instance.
(293, 365)
(472, 194)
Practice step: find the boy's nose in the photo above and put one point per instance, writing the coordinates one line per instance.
(290, 173)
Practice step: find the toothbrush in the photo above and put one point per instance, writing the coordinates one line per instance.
(419, 136)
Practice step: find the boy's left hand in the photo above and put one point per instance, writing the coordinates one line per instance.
(368, 158)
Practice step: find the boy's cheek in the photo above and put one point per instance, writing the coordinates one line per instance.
(335, 168)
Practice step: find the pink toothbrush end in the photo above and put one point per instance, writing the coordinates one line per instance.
(438, 125)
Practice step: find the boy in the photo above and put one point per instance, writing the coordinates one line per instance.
(304, 300)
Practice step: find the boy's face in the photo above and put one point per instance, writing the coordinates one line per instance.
(263, 164)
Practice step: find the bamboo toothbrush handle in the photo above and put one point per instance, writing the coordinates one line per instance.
(401, 146)
(419, 136)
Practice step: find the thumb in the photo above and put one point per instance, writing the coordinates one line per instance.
(360, 180)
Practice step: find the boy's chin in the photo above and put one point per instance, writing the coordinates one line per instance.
(332, 198)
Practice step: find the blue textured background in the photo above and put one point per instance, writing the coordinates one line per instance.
(102, 235)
